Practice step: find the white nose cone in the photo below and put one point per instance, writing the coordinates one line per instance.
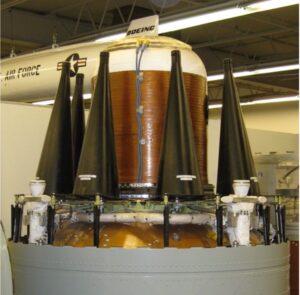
(37, 187)
(241, 187)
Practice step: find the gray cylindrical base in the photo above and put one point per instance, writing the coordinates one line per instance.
(51, 270)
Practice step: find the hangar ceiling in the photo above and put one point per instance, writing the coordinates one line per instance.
(259, 40)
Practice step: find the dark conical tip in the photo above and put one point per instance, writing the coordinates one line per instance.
(175, 52)
(79, 78)
(227, 62)
(104, 54)
(66, 65)
(175, 55)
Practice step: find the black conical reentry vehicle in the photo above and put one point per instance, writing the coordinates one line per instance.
(178, 170)
(56, 162)
(235, 157)
(97, 170)
(78, 123)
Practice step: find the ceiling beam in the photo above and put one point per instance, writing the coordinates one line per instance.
(246, 98)
(26, 26)
(11, 4)
(265, 87)
(21, 43)
(272, 21)
(9, 46)
(249, 84)
(250, 90)
(256, 66)
(242, 37)
(70, 6)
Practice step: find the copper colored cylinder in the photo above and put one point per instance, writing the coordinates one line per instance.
(154, 93)
(294, 267)
(149, 57)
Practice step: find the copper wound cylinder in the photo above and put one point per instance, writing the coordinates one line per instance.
(154, 78)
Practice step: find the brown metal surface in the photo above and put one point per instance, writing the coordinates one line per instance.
(154, 93)
(294, 267)
(140, 235)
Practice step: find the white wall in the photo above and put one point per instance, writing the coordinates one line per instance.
(278, 117)
(23, 128)
(261, 142)
(271, 128)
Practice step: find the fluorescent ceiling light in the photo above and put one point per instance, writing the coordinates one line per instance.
(49, 102)
(211, 17)
(273, 100)
(267, 5)
(213, 106)
(256, 72)
(261, 101)
(44, 102)
(111, 38)
(201, 19)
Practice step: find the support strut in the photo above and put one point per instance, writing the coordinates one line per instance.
(97, 211)
(50, 224)
(219, 225)
(278, 223)
(166, 221)
(283, 219)
(18, 222)
(12, 221)
(266, 224)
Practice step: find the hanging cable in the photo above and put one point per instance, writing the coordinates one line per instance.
(139, 108)
(13, 48)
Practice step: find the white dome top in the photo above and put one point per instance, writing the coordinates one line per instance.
(156, 56)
